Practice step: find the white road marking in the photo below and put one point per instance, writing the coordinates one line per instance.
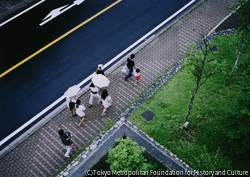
(56, 12)
(89, 77)
(21, 13)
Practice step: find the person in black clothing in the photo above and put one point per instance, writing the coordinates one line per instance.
(66, 140)
(99, 70)
(130, 65)
(71, 105)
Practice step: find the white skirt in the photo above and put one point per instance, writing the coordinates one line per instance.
(107, 102)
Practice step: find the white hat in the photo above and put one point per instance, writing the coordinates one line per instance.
(100, 66)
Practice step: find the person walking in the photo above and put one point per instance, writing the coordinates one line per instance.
(71, 101)
(137, 76)
(66, 140)
(71, 98)
(93, 93)
(130, 65)
(106, 101)
(80, 111)
(99, 69)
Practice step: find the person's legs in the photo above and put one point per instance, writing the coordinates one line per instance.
(91, 99)
(130, 73)
(104, 111)
(72, 108)
(67, 152)
(73, 112)
(82, 119)
(97, 96)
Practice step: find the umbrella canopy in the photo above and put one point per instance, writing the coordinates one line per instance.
(100, 80)
(72, 91)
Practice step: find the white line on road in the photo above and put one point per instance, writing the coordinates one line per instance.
(56, 12)
(21, 13)
(89, 77)
(149, 33)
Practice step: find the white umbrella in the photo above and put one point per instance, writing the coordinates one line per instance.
(100, 80)
(72, 91)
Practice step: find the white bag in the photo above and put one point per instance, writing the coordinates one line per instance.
(133, 72)
(124, 69)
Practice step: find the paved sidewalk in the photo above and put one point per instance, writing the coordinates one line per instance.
(43, 152)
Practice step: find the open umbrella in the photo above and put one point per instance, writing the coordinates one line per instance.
(72, 91)
(100, 80)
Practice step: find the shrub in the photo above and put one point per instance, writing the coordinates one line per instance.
(127, 156)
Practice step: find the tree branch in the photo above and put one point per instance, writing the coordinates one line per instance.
(209, 61)
(239, 54)
(207, 78)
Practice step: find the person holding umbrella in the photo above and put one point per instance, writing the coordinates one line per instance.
(106, 101)
(80, 111)
(100, 80)
(71, 105)
(93, 93)
(70, 95)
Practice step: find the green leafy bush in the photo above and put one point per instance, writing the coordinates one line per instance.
(127, 156)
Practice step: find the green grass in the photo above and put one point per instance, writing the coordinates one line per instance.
(170, 105)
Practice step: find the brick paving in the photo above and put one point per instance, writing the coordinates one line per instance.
(43, 152)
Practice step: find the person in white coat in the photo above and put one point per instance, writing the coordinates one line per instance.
(93, 94)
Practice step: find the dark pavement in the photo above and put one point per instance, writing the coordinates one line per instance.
(41, 152)
(9, 8)
(47, 75)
